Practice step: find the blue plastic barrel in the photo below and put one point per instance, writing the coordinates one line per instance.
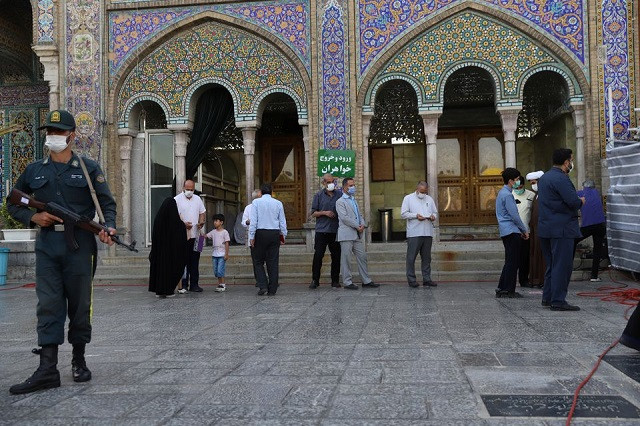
(4, 262)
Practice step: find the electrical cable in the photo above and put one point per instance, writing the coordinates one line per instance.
(623, 295)
(584, 382)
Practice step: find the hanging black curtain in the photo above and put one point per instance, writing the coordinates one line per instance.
(213, 109)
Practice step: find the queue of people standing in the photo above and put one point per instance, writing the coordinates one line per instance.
(540, 230)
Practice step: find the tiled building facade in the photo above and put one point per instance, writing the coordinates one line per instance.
(112, 62)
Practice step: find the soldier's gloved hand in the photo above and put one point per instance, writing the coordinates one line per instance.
(105, 238)
(45, 219)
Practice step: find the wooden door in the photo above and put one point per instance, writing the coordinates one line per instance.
(469, 165)
(283, 166)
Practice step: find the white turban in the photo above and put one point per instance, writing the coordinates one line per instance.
(534, 175)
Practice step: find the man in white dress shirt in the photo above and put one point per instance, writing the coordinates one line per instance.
(420, 211)
(267, 230)
(191, 210)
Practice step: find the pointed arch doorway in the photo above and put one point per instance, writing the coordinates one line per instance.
(470, 150)
(280, 140)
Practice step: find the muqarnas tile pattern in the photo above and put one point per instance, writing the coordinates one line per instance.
(469, 39)
(130, 29)
(246, 65)
(382, 22)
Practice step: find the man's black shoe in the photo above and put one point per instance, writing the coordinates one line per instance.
(546, 303)
(45, 377)
(335, 284)
(371, 285)
(565, 307)
(314, 284)
(429, 284)
(526, 284)
(196, 289)
(271, 293)
(414, 285)
(262, 292)
(501, 293)
(351, 287)
(514, 295)
(630, 342)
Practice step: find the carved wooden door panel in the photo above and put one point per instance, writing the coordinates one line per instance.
(283, 166)
(469, 167)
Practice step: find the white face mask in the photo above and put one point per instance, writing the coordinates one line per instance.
(331, 186)
(188, 193)
(534, 186)
(421, 195)
(56, 143)
(570, 167)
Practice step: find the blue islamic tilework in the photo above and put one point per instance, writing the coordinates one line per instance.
(238, 60)
(467, 39)
(381, 22)
(21, 144)
(618, 70)
(335, 87)
(83, 74)
(289, 21)
(45, 21)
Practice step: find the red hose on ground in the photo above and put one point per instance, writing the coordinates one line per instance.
(629, 297)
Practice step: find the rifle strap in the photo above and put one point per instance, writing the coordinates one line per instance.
(91, 190)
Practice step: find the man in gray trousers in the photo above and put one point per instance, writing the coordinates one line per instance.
(420, 211)
(351, 236)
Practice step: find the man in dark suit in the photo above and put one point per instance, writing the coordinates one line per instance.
(558, 228)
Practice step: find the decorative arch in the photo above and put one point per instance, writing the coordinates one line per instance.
(144, 96)
(561, 57)
(467, 39)
(257, 108)
(574, 88)
(370, 100)
(193, 92)
(497, 81)
(381, 25)
(272, 66)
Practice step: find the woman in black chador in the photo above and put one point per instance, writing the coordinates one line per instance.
(631, 335)
(168, 253)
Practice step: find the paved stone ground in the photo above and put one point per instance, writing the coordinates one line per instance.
(392, 355)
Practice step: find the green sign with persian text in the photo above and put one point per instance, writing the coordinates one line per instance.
(338, 162)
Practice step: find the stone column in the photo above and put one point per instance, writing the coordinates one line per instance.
(249, 144)
(579, 122)
(138, 190)
(180, 142)
(509, 119)
(366, 132)
(48, 55)
(126, 140)
(430, 123)
(308, 176)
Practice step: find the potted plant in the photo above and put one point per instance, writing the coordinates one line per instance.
(12, 230)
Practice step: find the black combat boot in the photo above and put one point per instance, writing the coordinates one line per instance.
(45, 377)
(78, 366)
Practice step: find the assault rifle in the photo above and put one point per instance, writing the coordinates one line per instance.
(70, 219)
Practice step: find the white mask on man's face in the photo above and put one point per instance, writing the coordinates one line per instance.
(534, 186)
(331, 186)
(56, 143)
(188, 193)
(421, 195)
